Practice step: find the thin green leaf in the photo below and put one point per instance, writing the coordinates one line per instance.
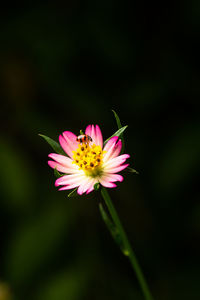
(119, 127)
(56, 147)
(131, 170)
(96, 186)
(117, 133)
(113, 230)
(117, 119)
(72, 193)
(57, 174)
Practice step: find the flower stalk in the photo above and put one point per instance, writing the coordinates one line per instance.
(120, 237)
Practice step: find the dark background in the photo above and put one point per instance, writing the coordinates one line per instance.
(65, 65)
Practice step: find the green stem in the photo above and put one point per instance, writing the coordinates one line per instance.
(129, 251)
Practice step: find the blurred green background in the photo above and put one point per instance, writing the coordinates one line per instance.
(65, 65)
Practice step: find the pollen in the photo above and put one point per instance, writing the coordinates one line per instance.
(89, 159)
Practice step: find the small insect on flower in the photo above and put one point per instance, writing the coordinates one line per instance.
(84, 138)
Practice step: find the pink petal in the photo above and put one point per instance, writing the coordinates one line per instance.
(83, 187)
(65, 145)
(110, 142)
(70, 179)
(90, 190)
(61, 168)
(69, 187)
(68, 142)
(91, 186)
(63, 160)
(95, 133)
(109, 148)
(113, 177)
(99, 137)
(107, 183)
(116, 169)
(116, 161)
(71, 137)
(90, 131)
(117, 149)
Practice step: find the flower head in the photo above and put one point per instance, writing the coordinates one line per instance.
(87, 161)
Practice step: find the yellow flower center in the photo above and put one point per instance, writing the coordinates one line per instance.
(89, 159)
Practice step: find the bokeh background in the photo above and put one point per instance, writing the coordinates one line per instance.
(64, 65)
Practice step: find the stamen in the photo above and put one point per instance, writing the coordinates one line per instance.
(89, 159)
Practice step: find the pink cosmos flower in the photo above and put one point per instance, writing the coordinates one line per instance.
(88, 162)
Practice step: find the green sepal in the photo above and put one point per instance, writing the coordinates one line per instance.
(131, 170)
(96, 186)
(56, 173)
(117, 133)
(72, 193)
(56, 147)
(113, 230)
(119, 127)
